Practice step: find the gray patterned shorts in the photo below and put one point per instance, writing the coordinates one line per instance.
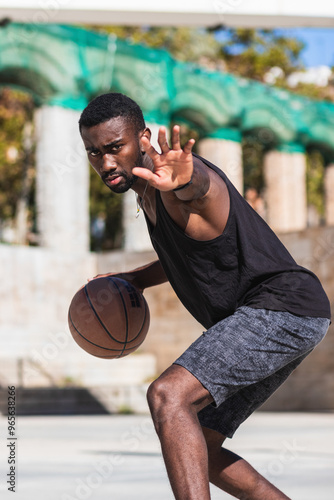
(245, 357)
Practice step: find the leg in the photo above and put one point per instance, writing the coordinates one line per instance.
(233, 474)
(240, 361)
(193, 455)
(174, 400)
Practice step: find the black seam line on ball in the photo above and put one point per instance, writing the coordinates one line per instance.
(125, 312)
(133, 348)
(144, 320)
(90, 342)
(98, 317)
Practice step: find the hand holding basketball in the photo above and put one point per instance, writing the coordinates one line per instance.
(129, 277)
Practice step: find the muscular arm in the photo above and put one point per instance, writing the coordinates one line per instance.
(200, 207)
(199, 186)
(151, 274)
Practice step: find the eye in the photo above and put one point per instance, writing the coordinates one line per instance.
(94, 153)
(116, 147)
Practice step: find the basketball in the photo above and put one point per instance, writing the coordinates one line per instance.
(108, 317)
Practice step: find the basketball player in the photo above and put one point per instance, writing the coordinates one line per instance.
(262, 312)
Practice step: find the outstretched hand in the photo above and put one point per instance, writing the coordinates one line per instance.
(172, 167)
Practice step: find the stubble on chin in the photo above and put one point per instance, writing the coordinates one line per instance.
(130, 180)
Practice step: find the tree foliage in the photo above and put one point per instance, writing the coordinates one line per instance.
(252, 153)
(315, 170)
(251, 53)
(16, 110)
(185, 44)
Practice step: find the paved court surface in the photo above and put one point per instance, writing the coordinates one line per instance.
(118, 457)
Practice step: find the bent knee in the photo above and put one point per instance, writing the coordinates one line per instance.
(177, 388)
(160, 394)
(162, 402)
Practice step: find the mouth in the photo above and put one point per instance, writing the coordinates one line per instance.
(112, 180)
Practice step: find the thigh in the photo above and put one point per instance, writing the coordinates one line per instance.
(227, 417)
(246, 348)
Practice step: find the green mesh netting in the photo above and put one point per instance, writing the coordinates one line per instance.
(67, 66)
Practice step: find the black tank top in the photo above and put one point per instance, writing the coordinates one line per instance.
(246, 265)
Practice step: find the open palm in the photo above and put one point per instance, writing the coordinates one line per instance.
(172, 167)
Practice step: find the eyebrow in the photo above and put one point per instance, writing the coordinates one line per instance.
(110, 144)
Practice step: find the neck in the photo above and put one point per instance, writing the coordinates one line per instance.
(141, 185)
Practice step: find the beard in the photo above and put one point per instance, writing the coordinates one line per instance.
(123, 186)
(128, 179)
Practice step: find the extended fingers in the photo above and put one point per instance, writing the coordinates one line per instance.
(163, 143)
(148, 148)
(162, 140)
(188, 147)
(176, 141)
(176, 137)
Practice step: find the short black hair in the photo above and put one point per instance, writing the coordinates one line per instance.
(111, 105)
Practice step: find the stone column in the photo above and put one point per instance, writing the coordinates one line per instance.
(136, 238)
(62, 186)
(285, 178)
(329, 194)
(223, 149)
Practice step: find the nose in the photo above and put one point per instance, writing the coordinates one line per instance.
(108, 163)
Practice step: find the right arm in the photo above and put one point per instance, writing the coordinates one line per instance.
(151, 274)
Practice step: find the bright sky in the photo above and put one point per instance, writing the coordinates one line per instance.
(319, 49)
(319, 44)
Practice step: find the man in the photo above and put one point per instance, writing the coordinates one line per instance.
(263, 313)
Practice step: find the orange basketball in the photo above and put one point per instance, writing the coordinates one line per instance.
(109, 317)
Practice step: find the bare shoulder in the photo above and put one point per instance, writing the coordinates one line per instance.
(204, 211)
(215, 203)
(205, 184)
(215, 184)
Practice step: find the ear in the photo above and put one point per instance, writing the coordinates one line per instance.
(145, 133)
